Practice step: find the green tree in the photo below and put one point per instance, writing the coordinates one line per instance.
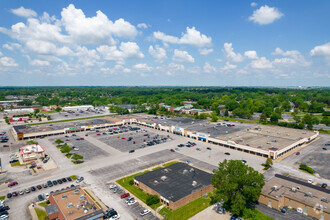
(58, 109)
(325, 120)
(275, 117)
(226, 113)
(77, 157)
(263, 117)
(58, 141)
(236, 184)
(214, 117)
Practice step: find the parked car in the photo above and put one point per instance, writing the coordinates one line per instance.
(9, 195)
(44, 185)
(284, 209)
(12, 184)
(208, 148)
(5, 145)
(324, 148)
(21, 192)
(243, 161)
(112, 186)
(198, 149)
(59, 181)
(131, 151)
(227, 153)
(15, 194)
(129, 199)
(33, 188)
(144, 212)
(46, 195)
(69, 179)
(27, 190)
(324, 185)
(298, 153)
(172, 150)
(54, 182)
(124, 195)
(49, 183)
(40, 197)
(310, 181)
(39, 187)
(79, 179)
(13, 161)
(64, 180)
(132, 202)
(117, 190)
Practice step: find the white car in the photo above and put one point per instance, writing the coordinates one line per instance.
(46, 195)
(115, 217)
(132, 202)
(144, 212)
(112, 186)
(310, 181)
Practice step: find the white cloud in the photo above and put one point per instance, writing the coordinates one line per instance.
(191, 37)
(265, 15)
(1, 54)
(176, 67)
(8, 62)
(229, 66)
(158, 53)
(142, 25)
(142, 67)
(254, 4)
(12, 46)
(208, 68)
(261, 63)
(117, 69)
(126, 50)
(321, 50)
(290, 57)
(37, 62)
(94, 30)
(182, 56)
(251, 54)
(278, 51)
(24, 12)
(230, 54)
(205, 51)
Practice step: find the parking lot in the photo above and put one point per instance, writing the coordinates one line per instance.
(131, 140)
(76, 114)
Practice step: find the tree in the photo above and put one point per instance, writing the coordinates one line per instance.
(325, 120)
(77, 157)
(58, 141)
(58, 109)
(263, 117)
(274, 117)
(268, 164)
(236, 184)
(214, 117)
(226, 113)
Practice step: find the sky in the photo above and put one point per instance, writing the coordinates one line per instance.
(164, 43)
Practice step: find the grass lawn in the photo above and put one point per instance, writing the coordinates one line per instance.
(16, 164)
(74, 177)
(2, 197)
(42, 215)
(156, 168)
(48, 112)
(136, 191)
(186, 211)
(250, 121)
(170, 163)
(44, 204)
(75, 119)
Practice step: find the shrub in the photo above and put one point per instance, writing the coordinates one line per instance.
(306, 168)
(131, 182)
(152, 199)
(77, 157)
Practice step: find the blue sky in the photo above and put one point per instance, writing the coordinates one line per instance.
(198, 43)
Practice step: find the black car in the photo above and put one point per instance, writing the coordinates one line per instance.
(284, 209)
(4, 208)
(49, 183)
(9, 195)
(59, 181)
(3, 213)
(33, 188)
(72, 186)
(39, 186)
(32, 166)
(324, 185)
(13, 161)
(44, 185)
(208, 148)
(54, 182)
(64, 180)
(15, 194)
(69, 179)
(324, 148)
(131, 151)
(40, 198)
(227, 153)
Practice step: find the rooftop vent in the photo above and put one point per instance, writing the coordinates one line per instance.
(64, 196)
(163, 178)
(275, 188)
(293, 189)
(324, 200)
(155, 181)
(309, 194)
(81, 197)
(85, 211)
(76, 191)
(69, 205)
(191, 170)
(166, 170)
(194, 183)
(185, 171)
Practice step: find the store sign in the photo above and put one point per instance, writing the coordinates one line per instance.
(230, 142)
(74, 128)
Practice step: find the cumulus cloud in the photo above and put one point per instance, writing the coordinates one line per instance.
(265, 15)
(1, 54)
(142, 67)
(230, 54)
(158, 53)
(254, 4)
(117, 69)
(24, 12)
(191, 37)
(290, 57)
(261, 63)
(182, 56)
(205, 51)
(251, 54)
(8, 62)
(321, 50)
(176, 67)
(94, 30)
(229, 66)
(37, 62)
(12, 46)
(142, 26)
(126, 50)
(208, 68)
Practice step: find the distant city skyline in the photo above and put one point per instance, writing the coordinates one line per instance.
(165, 43)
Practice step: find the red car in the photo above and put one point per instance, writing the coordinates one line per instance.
(82, 139)
(172, 150)
(98, 134)
(12, 184)
(297, 153)
(124, 195)
(5, 145)
(123, 138)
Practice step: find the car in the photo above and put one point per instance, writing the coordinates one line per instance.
(129, 199)
(74, 135)
(59, 181)
(5, 145)
(227, 153)
(123, 138)
(33, 188)
(75, 148)
(115, 217)
(54, 182)
(244, 161)
(9, 195)
(79, 179)
(39, 187)
(45, 160)
(131, 151)
(86, 135)
(49, 183)
(98, 134)
(110, 214)
(298, 153)
(116, 190)
(82, 139)
(77, 139)
(46, 195)
(32, 166)
(310, 181)
(132, 202)
(13, 161)
(3, 213)
(198, 149)
(208, 148)
(40, 197)
(284, 209)
(112, 186)
(324, 148)
(64, 180)
(124, 195)
(234, 217)
(172, 150)
(21, 192)
(15, 194)
(221, 211)
(144, 212)
(72, 186)
(69, 179)
(12, 184)
(4, 208)
(324, 185)
(27, 190)
(142, 146)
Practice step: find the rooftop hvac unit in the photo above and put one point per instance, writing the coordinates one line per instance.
(298, 188)
(309, 194)
(163, 178)
(185, 171)
(81, 197)
(86, 211)
(192, 170)
(293, 189)
(324, 200)
(166, 170)
(64, 196)
(76, 191)
(69, 205)
(194, 183)
(275, 188)
(155, 181)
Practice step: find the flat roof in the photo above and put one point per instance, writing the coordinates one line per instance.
(74, 202)
(176, 181)
(51, 209)
(308, 194)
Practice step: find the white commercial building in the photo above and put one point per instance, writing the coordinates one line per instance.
(31, 152)
(78, 108)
